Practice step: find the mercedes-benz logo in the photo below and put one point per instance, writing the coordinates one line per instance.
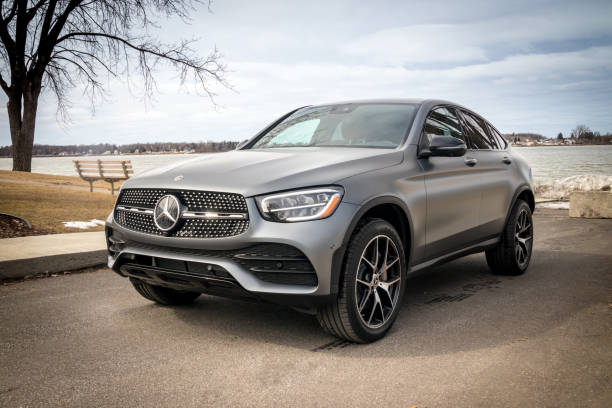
(167, 212)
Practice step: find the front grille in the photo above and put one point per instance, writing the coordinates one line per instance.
(195, 201)
(212, 228)
(137, 222)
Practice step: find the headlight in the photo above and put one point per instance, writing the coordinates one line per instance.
(300, 205)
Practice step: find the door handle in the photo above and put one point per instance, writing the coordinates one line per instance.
(470, 161)
(507, 160)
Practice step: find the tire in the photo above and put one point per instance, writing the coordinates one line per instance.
(513, 253)
(163, 296)
(379, 290)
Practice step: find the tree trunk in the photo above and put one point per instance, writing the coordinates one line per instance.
(22, 125)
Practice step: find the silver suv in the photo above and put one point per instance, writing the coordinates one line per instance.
(329, 210)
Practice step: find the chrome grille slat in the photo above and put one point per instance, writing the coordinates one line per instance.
(208, 214)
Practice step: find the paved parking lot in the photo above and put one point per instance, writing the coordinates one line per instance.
(464, 338)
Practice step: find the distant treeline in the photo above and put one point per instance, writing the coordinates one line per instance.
(581, 134)
(532, 136)
(106, 148)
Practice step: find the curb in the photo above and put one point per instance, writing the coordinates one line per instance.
(53, 253)
(20, 268)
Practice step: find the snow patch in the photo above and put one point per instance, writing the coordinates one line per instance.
(554, 205)
(561, 189)
(83, 224)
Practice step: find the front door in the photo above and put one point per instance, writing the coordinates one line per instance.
(453, 190)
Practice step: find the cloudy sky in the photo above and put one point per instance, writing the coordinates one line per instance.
(527, 66)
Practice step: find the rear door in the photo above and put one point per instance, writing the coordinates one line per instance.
(453, 190)
(492, 167)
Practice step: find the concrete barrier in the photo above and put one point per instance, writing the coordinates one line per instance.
(591, 204)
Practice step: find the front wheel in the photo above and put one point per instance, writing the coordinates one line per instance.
(513, 253)
(371, 287)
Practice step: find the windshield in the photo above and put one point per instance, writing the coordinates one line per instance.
(351, 125)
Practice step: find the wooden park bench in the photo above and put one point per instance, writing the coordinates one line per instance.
(109, 171)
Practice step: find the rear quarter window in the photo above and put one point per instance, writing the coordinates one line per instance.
(476, 131)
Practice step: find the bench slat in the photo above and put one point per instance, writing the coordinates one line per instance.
(103, 164)
(103, 161)
(89, 166)
(96, 168)
(114, 171)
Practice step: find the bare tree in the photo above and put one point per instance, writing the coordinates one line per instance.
(580, 131)
(59, 44)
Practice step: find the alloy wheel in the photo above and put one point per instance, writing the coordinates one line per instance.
(523, 235)
(378, 281)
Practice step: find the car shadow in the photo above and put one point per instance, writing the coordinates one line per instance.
(456, 307)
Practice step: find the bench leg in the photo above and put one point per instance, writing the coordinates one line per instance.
(112, 188)
(91, 186)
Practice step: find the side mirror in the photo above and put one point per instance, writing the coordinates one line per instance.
(241, 144)
(446, 146)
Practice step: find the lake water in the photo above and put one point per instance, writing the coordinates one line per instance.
(548, 162)
(558, 162)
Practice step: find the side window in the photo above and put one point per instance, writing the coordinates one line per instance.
(476, 133)
(501, 141)
(443, 121)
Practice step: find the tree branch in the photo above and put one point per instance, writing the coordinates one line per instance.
(4, 85)
(31, 12)
(5, 37)
(11, 14)
(141, 48)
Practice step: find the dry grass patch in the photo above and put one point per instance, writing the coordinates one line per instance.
(47, 200)
(52, 179)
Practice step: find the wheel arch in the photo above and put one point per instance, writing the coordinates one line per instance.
(527, 195)
(389, 208)
(524, 193)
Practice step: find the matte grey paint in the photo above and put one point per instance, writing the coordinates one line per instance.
(452, 208)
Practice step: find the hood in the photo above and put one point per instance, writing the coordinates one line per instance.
(254, 172)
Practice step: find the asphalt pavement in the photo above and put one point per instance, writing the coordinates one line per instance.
(464, 338)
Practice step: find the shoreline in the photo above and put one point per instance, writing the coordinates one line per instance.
(563, 145)
(188, 153)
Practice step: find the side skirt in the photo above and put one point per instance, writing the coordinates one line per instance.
(472, 249)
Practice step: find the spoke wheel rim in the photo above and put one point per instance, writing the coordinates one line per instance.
(378, 281)
(523, 238)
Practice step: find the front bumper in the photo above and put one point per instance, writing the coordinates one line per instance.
(319, 241)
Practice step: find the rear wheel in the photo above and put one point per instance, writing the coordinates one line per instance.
(512, 255)
(162, 295)
(371, 287)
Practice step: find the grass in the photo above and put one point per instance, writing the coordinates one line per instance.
(52, 179)
(48, 200)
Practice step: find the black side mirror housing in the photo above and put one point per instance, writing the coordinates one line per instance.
(446, 146)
